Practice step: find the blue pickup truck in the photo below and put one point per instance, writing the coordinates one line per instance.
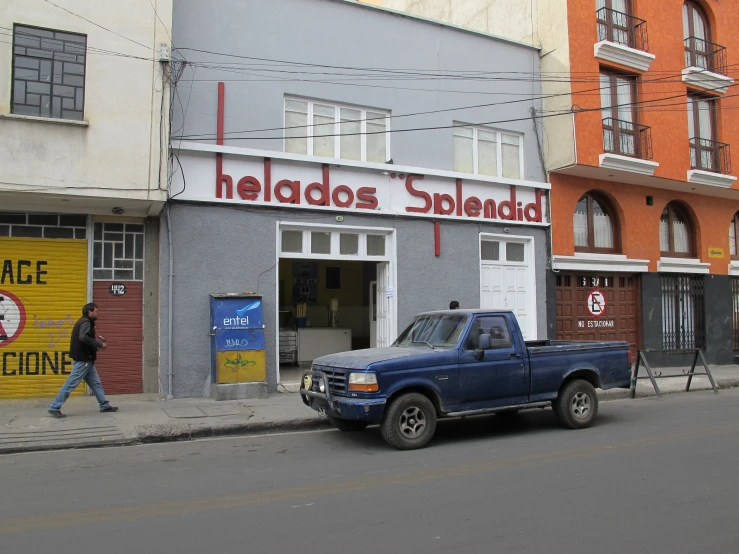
(456, 363)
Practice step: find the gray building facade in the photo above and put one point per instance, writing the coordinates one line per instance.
(391, 160)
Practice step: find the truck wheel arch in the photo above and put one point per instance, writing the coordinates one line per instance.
(587, 374)
(428, 392)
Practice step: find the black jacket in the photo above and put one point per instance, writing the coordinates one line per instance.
(82, 344)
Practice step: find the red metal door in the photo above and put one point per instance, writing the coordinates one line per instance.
(619, 319)
(121, 323)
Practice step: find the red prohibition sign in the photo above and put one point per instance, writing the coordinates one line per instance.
(11, 328)
(596, 303)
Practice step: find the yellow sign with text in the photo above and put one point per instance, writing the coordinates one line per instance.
(241, 366)
(43, 286)
(715, 252)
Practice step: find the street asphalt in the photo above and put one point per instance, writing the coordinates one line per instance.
(650, 476)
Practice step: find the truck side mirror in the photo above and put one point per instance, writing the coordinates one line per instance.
(484, 345)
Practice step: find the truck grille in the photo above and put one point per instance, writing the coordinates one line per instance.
(336, 379)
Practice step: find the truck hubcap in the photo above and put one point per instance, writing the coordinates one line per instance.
(412, 422)
(581, 405)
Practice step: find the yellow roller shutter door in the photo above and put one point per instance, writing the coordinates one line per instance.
(42, 290)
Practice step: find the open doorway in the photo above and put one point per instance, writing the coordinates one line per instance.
(334, 294)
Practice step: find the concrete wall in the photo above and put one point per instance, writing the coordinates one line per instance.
(337, 33)
(229, 249)
(542, 23)
(151, 305)
(116, 156)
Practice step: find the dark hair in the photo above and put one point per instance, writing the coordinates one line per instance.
(453, 305)
(87, 308)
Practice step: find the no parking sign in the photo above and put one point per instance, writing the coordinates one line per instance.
(596, 303)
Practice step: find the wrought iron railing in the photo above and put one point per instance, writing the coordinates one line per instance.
(683, 323)
(735, 311)
(706, 55)
(710, 155)
(622, 28)
(627, 138)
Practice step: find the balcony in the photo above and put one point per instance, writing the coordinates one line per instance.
(710, 162)
(706, 65)
(627, 146)
(622, 39)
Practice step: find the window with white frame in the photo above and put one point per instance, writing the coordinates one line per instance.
(317, 128)
(487, 151)
(334, 243)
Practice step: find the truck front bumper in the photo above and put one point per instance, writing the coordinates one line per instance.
(340, 407)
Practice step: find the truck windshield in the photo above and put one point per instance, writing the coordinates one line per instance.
(440, 331)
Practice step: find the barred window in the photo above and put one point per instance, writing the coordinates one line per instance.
(118, 251)
(48, 73)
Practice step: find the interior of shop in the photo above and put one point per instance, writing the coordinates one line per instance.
(325, 306)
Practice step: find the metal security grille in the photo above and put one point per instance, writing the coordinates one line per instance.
(48, 73)
(118, 251)
(735, 312)
(683, 324)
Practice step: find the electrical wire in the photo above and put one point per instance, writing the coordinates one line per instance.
(96, 24)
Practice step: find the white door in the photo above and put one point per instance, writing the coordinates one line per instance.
(506, 281)
(383, 305)
(373, 313)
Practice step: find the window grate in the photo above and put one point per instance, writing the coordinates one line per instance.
(735, 302)
(48, 73)
(118, 251)
(683, 323)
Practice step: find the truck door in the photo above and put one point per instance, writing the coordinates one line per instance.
(501, 377)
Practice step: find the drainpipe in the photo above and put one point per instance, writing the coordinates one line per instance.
(170, 373)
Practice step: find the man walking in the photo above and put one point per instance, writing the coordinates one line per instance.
(453, 305)
(83, 347)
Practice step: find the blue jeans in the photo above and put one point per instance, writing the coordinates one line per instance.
(80, 371)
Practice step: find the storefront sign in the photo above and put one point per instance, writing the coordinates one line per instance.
(43, 286)
(715, 252)
(596, 303)
(596, 324)
(254, 180)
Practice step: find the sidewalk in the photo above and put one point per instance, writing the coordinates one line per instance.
(25, 425)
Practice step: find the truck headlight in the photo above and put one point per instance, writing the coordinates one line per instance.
(363, 382)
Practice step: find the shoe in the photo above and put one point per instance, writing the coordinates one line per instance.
(109, 409)
(56, 414)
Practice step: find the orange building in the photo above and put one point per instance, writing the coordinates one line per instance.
(644, 219)
(639, 115)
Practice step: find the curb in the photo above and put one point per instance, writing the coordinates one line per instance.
(625, 394)
(170, 433)
(161, 433)
(66, 446)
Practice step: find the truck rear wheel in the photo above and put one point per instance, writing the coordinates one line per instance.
(577, 404)
(348, 425)
(409, 422)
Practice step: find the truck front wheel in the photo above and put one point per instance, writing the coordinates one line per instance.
(577, 404)
(409, 422)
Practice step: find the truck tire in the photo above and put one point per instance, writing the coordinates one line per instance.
(577, 404)
(348, 425)
(409, 422)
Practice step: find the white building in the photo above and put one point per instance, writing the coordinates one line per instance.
(83, 177)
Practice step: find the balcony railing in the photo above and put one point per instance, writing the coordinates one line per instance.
(627, 138)
(622, 28)
(706, 55)
(710, 155)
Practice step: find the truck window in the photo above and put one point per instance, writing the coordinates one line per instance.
(436, 330)
(495, 326)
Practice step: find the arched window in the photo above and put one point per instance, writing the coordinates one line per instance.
(697, 35)
(675, 232)
(733, 234)
(595, 225)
